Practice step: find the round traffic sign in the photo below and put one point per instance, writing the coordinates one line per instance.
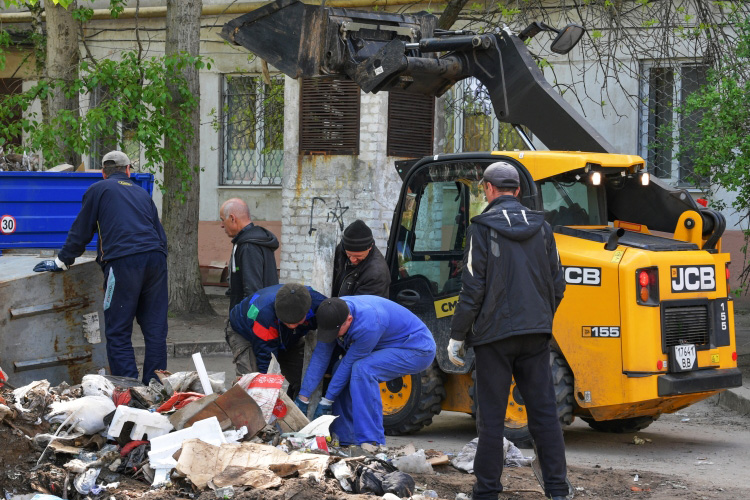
(7, 224)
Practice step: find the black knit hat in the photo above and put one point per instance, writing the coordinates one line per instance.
(330, 315)
(357, 237)
(292, 303)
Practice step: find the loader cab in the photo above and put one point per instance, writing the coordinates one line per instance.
(426, 250)
(571, 200)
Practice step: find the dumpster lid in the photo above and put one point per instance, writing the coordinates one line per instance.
(13, 267)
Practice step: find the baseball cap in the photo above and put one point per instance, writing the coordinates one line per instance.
(119, 158)
(502, 175)
(330, 315)
(292, 303)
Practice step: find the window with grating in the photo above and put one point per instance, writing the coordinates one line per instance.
(329, 117)
(411, 124)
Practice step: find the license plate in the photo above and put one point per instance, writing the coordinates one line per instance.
(683, 357)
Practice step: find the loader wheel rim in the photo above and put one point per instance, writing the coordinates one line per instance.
(515, 414)
(396, 394)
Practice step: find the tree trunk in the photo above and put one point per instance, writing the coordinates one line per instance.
(450, 14)
(62, 66)
(180, 217)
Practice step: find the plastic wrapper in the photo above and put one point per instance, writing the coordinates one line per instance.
(86, 414)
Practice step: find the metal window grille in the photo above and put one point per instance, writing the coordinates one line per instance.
(329, 116)
(117, 135)
(253, 131)
(411, 124)
(469, 122)
(663, 130)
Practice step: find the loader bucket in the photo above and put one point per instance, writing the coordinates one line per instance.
(306, 40)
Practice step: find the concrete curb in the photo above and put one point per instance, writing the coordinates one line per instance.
(737, 399)
(187, 349)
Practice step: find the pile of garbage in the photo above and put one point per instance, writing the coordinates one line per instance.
(18, 162)
(113, 436)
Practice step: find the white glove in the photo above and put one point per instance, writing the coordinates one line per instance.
(456, 351)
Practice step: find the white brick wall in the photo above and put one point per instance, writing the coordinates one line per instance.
(352, 187)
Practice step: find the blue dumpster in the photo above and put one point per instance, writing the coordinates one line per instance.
(38, 208)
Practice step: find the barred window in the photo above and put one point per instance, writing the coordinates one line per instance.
(664, 89)
(115, 135)
(329, 116)
(411, 124)
(470, 123)
(253, 130)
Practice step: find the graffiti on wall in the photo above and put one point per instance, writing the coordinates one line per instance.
(335, 214)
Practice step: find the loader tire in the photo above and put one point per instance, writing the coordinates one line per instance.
(620, 425)
(516, 420)
(410, 402)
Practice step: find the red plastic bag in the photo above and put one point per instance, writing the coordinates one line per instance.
(178, 400)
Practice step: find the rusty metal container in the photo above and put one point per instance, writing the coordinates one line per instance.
(51, 324)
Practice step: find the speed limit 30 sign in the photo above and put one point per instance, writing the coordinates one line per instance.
(7, 224)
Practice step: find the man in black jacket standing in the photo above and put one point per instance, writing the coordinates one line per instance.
(133, 255)
(252, 266)
(359, 268)
(512, 283)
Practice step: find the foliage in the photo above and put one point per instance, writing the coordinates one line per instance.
(136, 93)
(18, 3)
(720, 146)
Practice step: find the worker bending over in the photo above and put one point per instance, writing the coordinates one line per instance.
(275, 319)
(380, 341)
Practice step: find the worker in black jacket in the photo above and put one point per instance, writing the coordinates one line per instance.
(252, 266)
(359, 268)
(512, 283)
(133, 254)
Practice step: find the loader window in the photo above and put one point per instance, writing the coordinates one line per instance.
(432, 234)
(572, 203)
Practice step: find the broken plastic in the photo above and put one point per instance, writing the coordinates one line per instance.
(145, 423)
(343, 474)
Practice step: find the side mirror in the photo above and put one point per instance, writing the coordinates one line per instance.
(567, 38)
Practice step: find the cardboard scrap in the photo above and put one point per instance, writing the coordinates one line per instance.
(241, 476)
(202, 462)
(439, 460)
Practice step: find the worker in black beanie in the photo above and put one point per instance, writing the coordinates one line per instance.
(359, 268)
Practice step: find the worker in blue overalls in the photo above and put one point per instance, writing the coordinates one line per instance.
(381, 341)
(133, 255)
(275, 321)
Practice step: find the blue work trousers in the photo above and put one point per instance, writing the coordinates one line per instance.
(525, 357)
(359, 407)
(135, 287)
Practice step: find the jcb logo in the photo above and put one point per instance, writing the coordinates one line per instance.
(445, 307)
(693, 279)
(591, 276)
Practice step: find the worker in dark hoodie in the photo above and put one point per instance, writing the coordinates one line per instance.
(252, 266)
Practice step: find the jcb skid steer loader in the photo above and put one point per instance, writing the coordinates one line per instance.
(647, 323)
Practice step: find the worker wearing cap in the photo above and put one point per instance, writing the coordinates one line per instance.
(358, 265)
(133, 254)
(275, 320)
(382, 341)
(511, 285)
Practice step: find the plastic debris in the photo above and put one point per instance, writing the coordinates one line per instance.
(145, 423)
(86, 414)
(97, 385)
(343, 474)
(85, 482)
(416, 463)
